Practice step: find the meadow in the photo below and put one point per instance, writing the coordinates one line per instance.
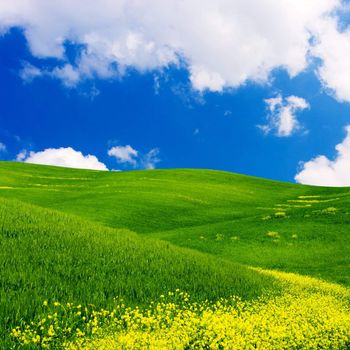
(87, 237)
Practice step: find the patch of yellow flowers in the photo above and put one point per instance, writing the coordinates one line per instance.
(308, 314)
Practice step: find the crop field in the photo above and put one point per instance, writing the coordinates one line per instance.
(171, 259)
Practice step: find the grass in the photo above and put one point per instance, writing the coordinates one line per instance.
(47, 255)
(308, 314)
(192, 208)
(88, 236)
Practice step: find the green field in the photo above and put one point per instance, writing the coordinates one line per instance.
(87, 236)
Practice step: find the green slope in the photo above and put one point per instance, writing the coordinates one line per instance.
(47, 255)
(144, 201)
(211, 211)
(66, 234)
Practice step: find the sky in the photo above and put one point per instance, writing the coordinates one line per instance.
(258, 87)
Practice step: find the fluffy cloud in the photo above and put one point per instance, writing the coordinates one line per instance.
(66, 157)
(322, 171)
(333, 48)
(282, 115)
(223, 43)
(129, 156)
(124, 154)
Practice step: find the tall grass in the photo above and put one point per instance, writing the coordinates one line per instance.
(309, 314)
(46, 255)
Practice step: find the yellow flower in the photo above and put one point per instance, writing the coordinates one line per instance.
(309, 314)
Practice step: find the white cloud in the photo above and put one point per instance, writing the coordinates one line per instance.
(202, 79)
(124, 154)
(150, 159)
(66, 157)
(333, 48)
(21, 156)
(30, 72)
(322, 171)
(224, 43)
(282, 115)
(68, 74)
(130, 156)
(3, 147)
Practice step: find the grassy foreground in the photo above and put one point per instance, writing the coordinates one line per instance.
(86, 237)
(47, 255)
(309, 314)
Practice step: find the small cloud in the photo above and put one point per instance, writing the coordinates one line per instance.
(227, 113)
(21, 155)
(196, 131)
(187, 95)
(129, 156)
(156, 84)
(124, 154)
(66, 157)
(322, 171)
(30, 72)
(69, 75)
(150, 159)
(91, 92)
(203, 79)
(3, 147)
(282, 115)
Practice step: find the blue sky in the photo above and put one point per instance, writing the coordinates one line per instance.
(174, 106)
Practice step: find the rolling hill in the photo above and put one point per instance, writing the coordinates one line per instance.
(88, 236)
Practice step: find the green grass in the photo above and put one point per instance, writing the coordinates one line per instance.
(47, 255)
(189, 208)
(66, 234)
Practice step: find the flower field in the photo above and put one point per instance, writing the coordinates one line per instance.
(309, 314)
(170, 259)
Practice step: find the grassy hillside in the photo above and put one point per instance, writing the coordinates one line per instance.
(46, 255)
(87, 236)
(224, 214)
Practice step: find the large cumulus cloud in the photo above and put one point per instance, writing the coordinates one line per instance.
(223, 43)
